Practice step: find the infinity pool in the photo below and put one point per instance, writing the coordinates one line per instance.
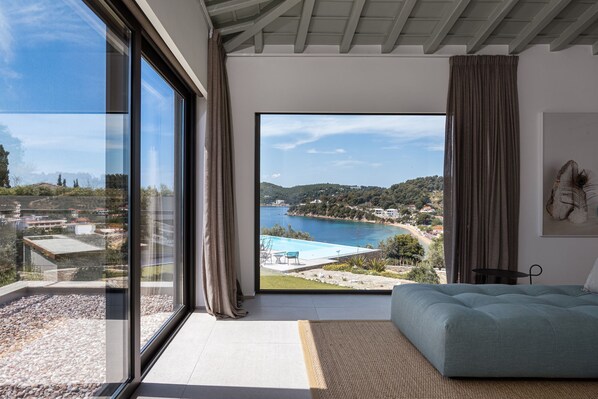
(312, 249)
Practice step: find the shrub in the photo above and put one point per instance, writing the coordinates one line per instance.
(357, 262)
(279, 231)
(402, 246)
(377, 265)
(424, 274)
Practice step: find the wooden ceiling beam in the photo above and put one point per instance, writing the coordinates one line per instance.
(351, 26)
(306, 13)
(445, 25)
(258, 42)
(397, 26)
(278, 8)
(494, 20)
(540, 21)
(575, 29)
(232, 5)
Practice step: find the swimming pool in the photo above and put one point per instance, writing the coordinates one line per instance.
(312, 249)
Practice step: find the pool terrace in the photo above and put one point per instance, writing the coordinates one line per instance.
(312, 254)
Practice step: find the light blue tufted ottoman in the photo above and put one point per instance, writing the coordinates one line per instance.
(501, 330)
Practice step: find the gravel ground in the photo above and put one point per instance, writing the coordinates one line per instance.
(54, 346)
(360, 281)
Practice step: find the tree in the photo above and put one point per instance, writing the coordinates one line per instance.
(435, 255)
(59, 182)
(4, 174)
(423, 219)
(402, 246)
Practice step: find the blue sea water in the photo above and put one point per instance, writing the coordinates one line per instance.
(357, 234)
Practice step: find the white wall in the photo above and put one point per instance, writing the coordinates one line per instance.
(182, 25)
(565, 81)
(552, 82)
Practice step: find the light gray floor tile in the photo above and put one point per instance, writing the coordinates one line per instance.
(381, 312)
(342, 301)
(282, 300)
(178, 360)
(275, 313)
(251, 365)
(248, 332)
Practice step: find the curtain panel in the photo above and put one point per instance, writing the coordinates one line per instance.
(481, 171)
(219, 267)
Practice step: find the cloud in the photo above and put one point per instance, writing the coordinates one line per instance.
(275, 175)
(352, 163)
(336, 151)
(292, 131)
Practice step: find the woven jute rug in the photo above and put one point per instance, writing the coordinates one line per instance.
(373, 360)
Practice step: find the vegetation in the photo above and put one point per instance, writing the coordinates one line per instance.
(402, 247)
(337, 211)
(345, 267)
(435, 254)
(279, 231)
(4, 173)
(282, 282)
(419, 192)
(424, 274)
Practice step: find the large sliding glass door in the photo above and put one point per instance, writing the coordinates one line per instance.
(95, 136)
(162, 116)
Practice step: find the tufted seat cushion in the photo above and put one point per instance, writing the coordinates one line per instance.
(501, 330)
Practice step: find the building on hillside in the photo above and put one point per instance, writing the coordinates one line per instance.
(80, 229)
(427, 209)
(379, 212)
(40, 222)
(392, 213)
(316, 201)
(57, 256)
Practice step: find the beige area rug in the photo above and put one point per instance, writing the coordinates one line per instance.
(373, 360)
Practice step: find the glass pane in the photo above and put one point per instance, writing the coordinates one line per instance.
(64, 128)
(161, 127)
(364, 209)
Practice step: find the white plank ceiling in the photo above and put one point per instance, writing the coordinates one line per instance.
(253, 24)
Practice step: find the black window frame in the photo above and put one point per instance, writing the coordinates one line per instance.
(115, 13)
(256, 223)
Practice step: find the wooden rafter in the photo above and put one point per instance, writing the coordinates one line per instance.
(575, 29)
(232, 5)
(544, 17)
(494, 20)
(306, 12)
(445, 25)
(397, 26)
(351, 26)
(266, 18)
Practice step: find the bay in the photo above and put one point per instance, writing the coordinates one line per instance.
(358, 234)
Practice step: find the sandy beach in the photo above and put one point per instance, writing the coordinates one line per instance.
(425, 241)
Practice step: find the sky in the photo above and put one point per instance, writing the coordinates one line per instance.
(366, 150)
(53, 87)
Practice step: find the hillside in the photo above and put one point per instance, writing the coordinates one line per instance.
(419, 192)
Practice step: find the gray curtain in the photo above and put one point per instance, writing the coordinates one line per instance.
(481, 171)
(219, 251)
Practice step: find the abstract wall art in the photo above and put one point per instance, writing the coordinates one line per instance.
(570, 174)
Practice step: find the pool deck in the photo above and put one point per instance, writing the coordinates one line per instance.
(285, 266)
(291, 266)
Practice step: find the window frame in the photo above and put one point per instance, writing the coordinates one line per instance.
(117, 14)
(256, 223)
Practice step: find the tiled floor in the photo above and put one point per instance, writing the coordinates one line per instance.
(257, 357)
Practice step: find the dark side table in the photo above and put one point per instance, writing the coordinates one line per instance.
(509, 273)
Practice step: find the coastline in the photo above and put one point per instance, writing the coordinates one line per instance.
(414, 231)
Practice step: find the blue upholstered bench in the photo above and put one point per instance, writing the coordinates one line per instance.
(500, 330)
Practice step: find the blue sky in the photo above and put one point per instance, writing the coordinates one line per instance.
(377, 150)
(53, 96)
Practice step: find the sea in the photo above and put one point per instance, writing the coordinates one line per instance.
(357, 234)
